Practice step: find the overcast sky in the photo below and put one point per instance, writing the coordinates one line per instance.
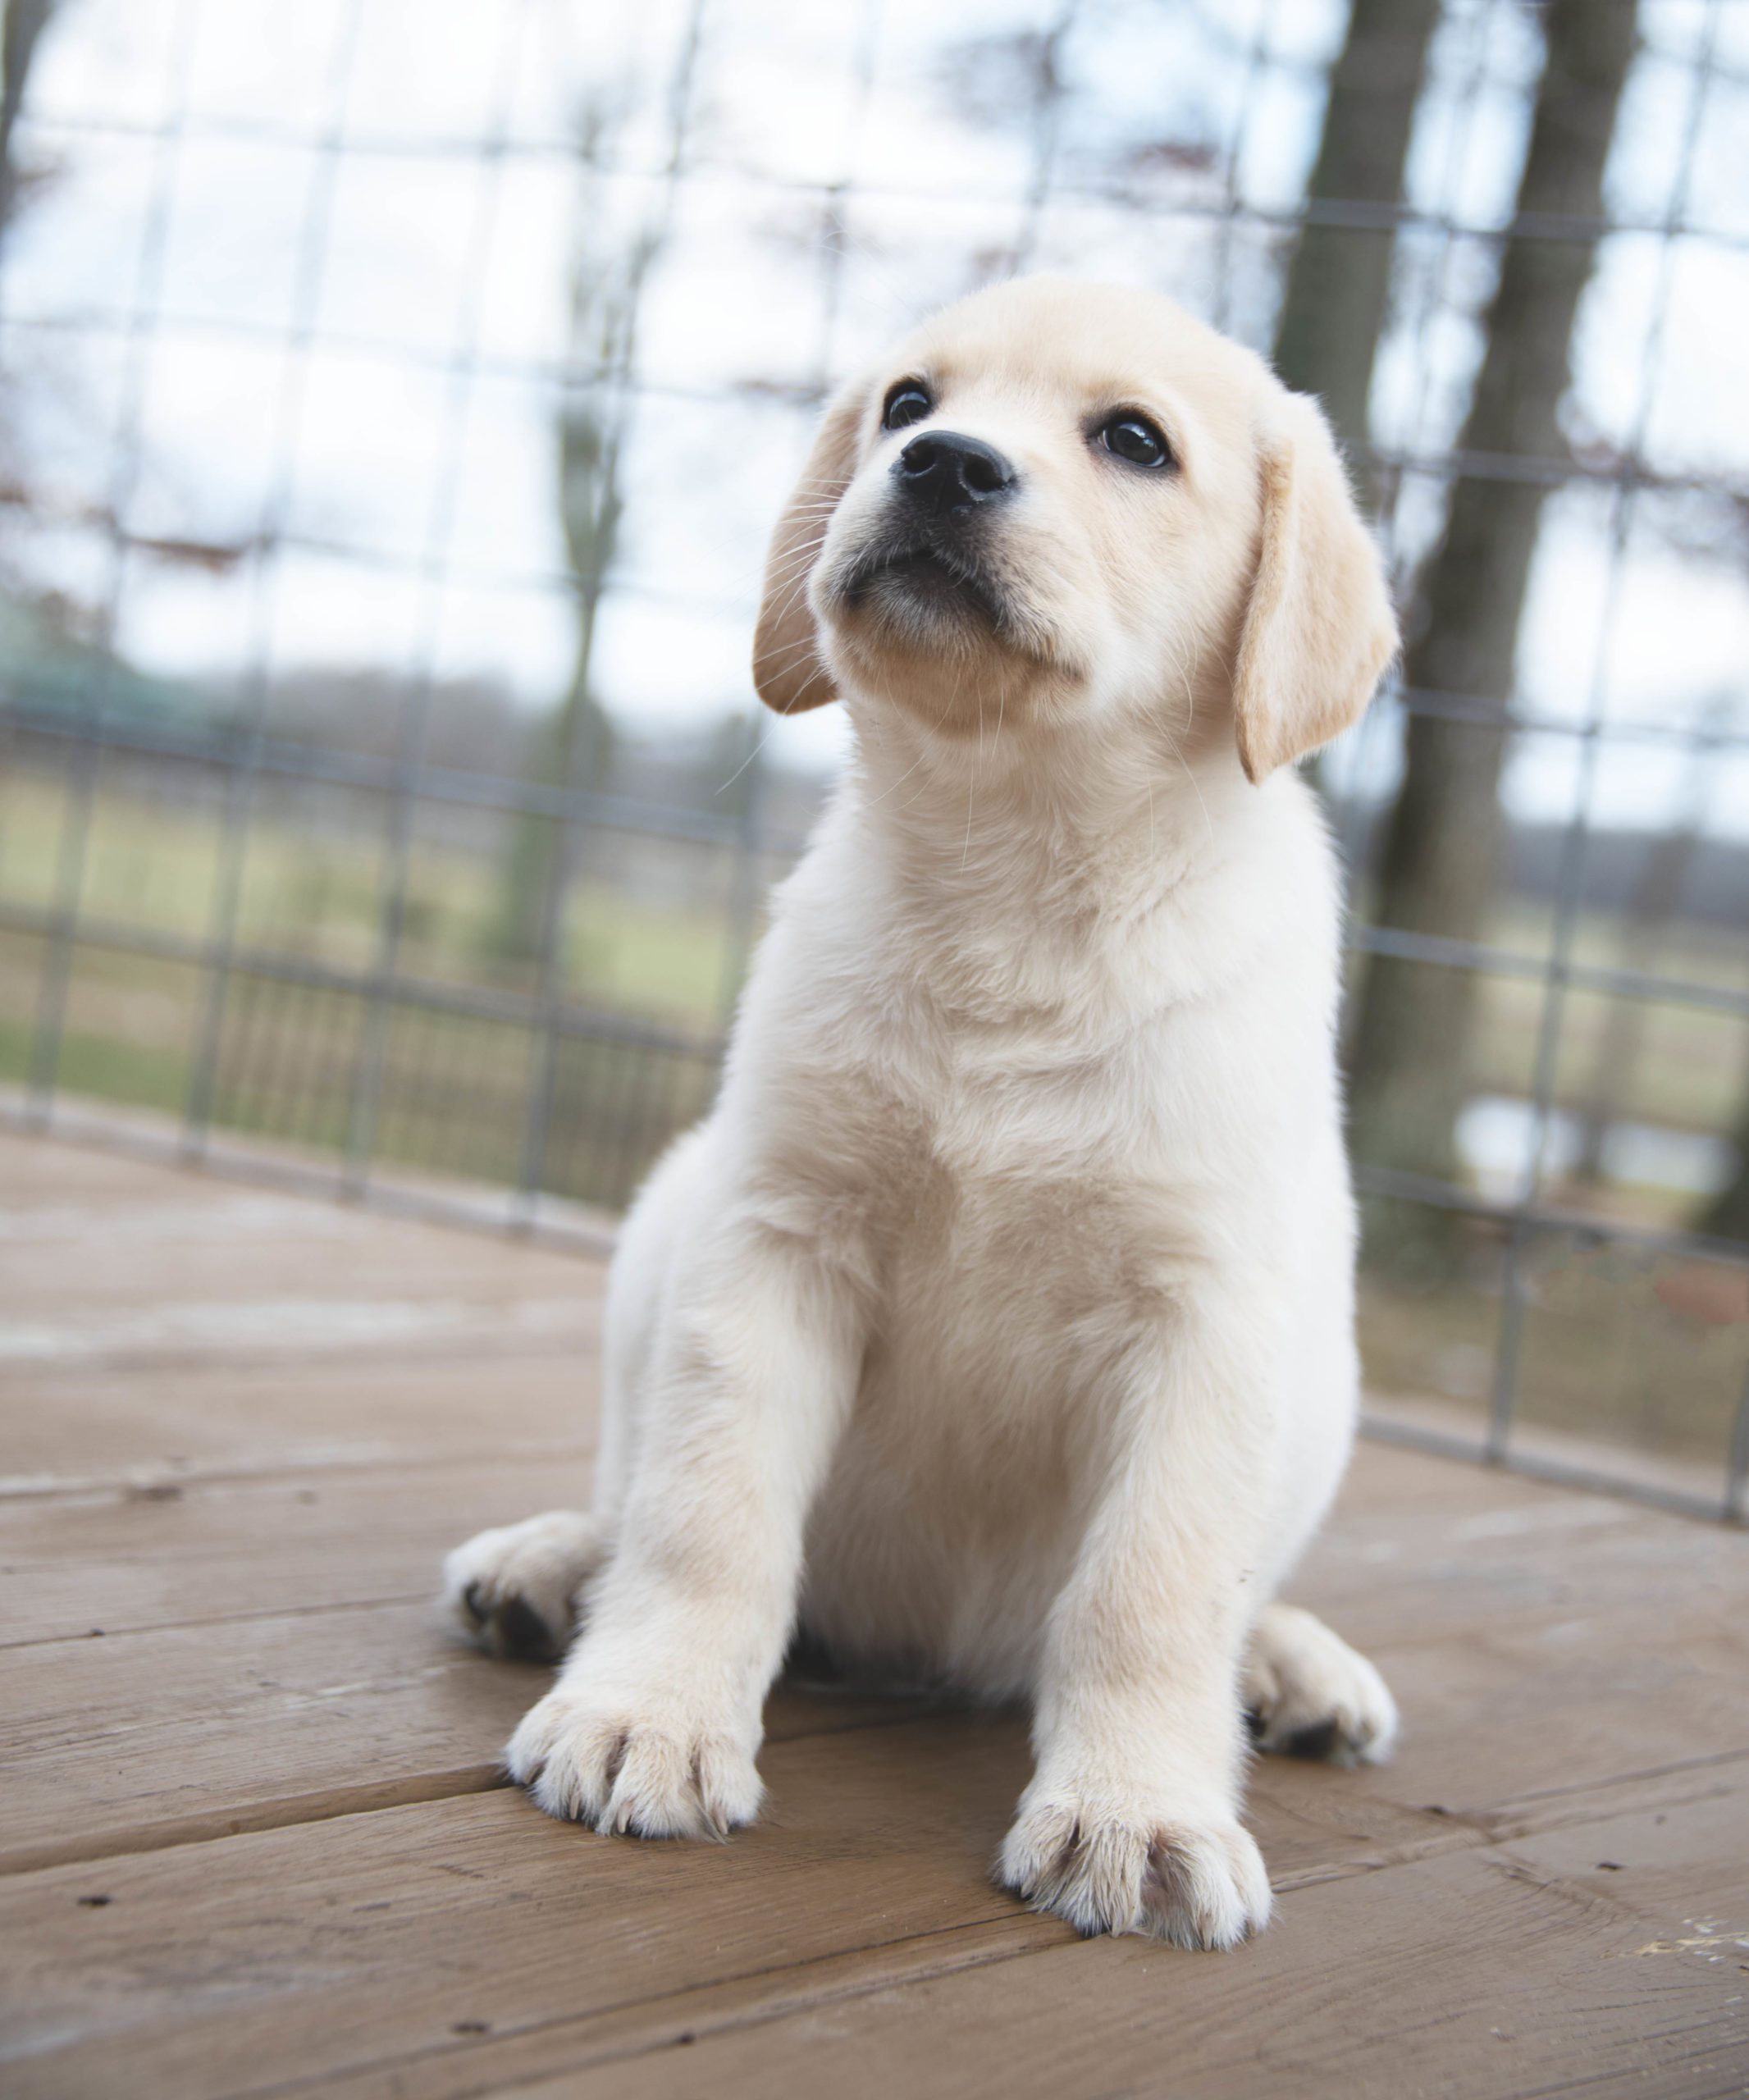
(363, 345)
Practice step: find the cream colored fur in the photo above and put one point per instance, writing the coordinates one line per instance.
(997, 1326)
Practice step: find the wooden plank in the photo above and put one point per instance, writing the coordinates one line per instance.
(186, 1732)
(153, 1738)
(214, 1705)
(224, 1717)
(1530, 1630)
(1500, 1545)
(147, 1360)
(266, 1532)
(215, 1967)
(94, 1235)
(1574, 1677)
(278, 1315)
(199, 1550)
(82, 1298)
(158, 1324)
(467, 1946)
(266, 1485)
(40, 1169)
(1574, 1699)
(1485, 1974)
(179, 1422)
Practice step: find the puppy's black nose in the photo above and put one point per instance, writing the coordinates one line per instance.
(944, 471)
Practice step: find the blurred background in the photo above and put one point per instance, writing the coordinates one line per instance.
(394, 398)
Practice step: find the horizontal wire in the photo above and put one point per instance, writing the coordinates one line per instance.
(1606, 471)
(323, 765)
(1439, 1195)
(433, 994)
(318, 765)
(1357, 214)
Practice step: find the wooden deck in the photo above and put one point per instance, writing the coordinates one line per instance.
(255, 1841)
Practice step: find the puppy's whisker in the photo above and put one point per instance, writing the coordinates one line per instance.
(972, 788)
(759, 743)
(781, 658)
(952, 701)
(1186, 669)
(835, 237)
(795, 590)
(922, 754)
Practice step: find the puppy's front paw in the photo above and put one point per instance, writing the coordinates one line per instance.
(1310, 1694)
(642, 1766)
(513, 1590)
(1197, 1882)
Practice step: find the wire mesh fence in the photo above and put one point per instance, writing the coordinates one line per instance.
(394, 402)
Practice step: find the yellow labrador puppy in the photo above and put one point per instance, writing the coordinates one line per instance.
(996, 1327)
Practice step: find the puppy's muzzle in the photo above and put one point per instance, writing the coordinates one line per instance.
(930, 563)
(945, 475)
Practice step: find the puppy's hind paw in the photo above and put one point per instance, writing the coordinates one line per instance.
(514, 1590)
(1310, 1695)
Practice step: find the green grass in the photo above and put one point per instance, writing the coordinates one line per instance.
(312, 885)
(309, 894)
(1618, 1345)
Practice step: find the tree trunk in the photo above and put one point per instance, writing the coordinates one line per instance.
(574, 748)
(1410, 1064)
(1339, 281)
(25, 21)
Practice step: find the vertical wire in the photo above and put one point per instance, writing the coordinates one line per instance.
(434, 566)
(1256, 51)
(752, 843)
(1575, 847)
(1047, 115)
(246, 769)
(1736, 1508)
(272, 1017)
(1390, 518)
(870, 29)
(1470, 78)
(619, 385)
(145, 314)
(742, 904)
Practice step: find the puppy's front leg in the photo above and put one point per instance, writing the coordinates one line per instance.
(654, 1725)
(1131, 1821)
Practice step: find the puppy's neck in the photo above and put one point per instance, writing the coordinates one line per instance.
(1079, 824)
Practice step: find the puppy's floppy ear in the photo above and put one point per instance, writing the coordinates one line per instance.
(788, 671)
(1318, 627)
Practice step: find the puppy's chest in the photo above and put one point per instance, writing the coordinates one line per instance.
(1015, 1248)
(1024, 1170)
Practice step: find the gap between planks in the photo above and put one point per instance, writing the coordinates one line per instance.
(222, 1619)
(330, 1804)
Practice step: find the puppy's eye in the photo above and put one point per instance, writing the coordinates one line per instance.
(1134, 438)
(908, 403)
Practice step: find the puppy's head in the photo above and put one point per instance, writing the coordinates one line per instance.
(1057, 497)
